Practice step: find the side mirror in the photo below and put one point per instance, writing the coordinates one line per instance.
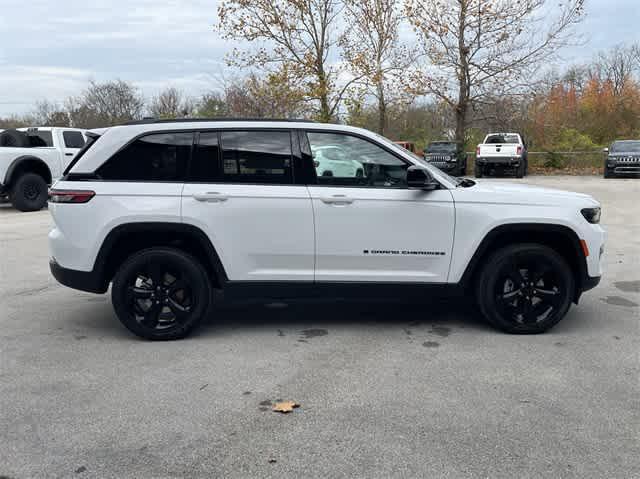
(420, 179)
(605, 150)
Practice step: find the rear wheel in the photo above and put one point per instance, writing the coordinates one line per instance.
(29, 192)
(161, 294)
(520, 170)
(478, 171)
(525, 289)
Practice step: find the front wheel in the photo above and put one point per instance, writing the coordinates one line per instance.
(525, 289)
(161, 294)
(608, 173)
(29, 192)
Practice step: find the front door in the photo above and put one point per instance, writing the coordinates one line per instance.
(369, 225)
(240, 191)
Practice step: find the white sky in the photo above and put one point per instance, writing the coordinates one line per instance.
(51, 48)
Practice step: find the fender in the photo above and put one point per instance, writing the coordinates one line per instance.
(513, 229)
(34, 160)
(103, 267)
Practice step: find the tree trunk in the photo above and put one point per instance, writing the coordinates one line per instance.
(323, 95)
(464, 89)
(382, 109)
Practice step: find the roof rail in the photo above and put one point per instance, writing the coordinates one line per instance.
(150, 121)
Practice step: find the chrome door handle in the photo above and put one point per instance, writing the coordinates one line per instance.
(337, 200)
(210, 197)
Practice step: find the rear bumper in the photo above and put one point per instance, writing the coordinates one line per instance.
(82, 280)
(499, 161)
(590, 282)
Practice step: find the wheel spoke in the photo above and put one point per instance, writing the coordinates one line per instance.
(546, 292)
(139, 293)
(152, 316)
(513, 273)
(529, 312)
(181, 312)
(177, 285)
(156, 273)
(539, 271)
(511, 294)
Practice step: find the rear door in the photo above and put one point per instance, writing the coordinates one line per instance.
(241, 191)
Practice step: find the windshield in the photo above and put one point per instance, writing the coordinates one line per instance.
(441, 147)
(502, 139)
(626, 146)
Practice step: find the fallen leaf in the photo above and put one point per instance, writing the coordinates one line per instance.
(285, 406)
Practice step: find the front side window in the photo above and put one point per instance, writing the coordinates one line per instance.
(155, 157)
(256, 157)
(73, 139)
(351, 161)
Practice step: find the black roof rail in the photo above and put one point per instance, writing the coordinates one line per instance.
(151, 121)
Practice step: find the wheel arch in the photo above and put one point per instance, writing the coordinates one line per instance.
(560, 238)
(27, 164)
(126, 239)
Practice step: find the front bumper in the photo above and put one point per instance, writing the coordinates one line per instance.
(87, 281)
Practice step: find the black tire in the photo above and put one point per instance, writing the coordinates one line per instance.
(608, 173)
(14, 138)
(520, 170)
(478, 171)
(29, 192)
(545, 298)
(161, 294)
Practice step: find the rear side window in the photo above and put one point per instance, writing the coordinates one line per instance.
(256, 157)
(156, 157)
(40, 139)
(73, 139)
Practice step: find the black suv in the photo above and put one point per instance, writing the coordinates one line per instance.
(449, 156)
(623, 158)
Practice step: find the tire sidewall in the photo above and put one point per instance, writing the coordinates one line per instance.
(489, 276)
(189, 266)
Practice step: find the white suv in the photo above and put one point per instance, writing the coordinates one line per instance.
(169, 211)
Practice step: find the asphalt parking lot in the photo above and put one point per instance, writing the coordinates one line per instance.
(386, 390)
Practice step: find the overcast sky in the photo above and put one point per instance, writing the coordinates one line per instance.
(51, 48)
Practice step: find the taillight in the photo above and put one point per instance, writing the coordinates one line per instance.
(477, 151)
(519, 150)
(70, 196)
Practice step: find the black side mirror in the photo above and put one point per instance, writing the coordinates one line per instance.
(420, 179)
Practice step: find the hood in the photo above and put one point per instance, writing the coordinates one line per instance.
(518, 193)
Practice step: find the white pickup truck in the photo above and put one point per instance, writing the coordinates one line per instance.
(500, 152)
(31, 159)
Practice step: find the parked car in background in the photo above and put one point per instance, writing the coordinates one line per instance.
(407, 145)
(501, 153)
(623, 158)
(449, 156)
(31, 159)
(335, 161)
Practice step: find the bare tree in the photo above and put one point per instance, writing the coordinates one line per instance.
(171, 103)
(50, 114)
(105, 104)
(481, 47)
(296, 36)
(617, 65)
(371, 47)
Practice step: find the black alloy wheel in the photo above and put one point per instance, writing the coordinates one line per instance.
(161, 293)
(526, 288)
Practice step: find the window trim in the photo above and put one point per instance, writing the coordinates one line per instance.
(306, 132)
(73, 132)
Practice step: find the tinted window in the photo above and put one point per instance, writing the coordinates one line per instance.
(158, 157)
(625, 146)
(73, 139)
(205, 164)
(40, 138)
(256, 156)
(351, 161)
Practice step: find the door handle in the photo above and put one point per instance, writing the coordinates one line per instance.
(210, 197)
(68, 154)
(337, 200)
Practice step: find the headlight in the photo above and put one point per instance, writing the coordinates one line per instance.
(592, 215)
